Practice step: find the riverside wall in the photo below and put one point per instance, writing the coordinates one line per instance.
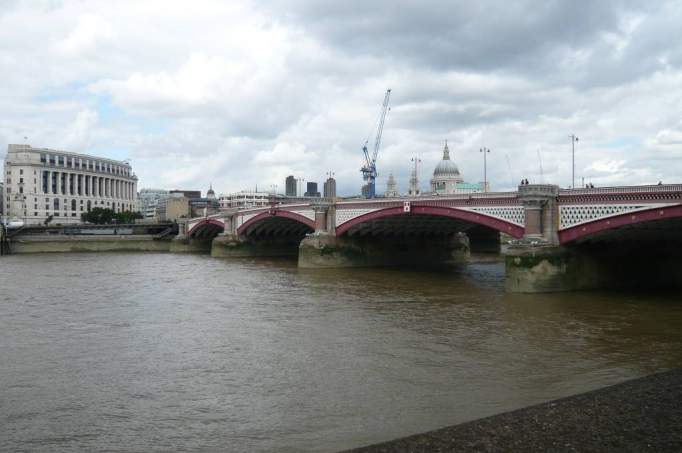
(77, 243)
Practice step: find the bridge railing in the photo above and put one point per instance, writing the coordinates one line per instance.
(654, 188)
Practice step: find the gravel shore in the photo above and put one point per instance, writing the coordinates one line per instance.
(643, 414)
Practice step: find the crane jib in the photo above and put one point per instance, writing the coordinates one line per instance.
(369, 171)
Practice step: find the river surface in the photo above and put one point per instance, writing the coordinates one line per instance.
(163, 352)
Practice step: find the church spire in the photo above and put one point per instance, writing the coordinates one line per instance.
(446, 151)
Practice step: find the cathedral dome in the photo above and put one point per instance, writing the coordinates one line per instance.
(446, 168)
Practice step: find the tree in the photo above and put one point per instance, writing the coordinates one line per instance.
(104, 216)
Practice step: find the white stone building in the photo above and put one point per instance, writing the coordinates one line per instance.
(42, 182)
(391, 187)
(447, 179)
(245, 199)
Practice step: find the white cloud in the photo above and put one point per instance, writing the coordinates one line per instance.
(79, 132)
(89, 31)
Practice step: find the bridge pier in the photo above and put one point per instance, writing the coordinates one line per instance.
(233, 246)
(537, 263)
(324, 250)
(189, 245)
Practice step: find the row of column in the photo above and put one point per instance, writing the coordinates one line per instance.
(75, 184)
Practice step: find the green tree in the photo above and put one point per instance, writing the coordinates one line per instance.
(104, 216)
(98, 216)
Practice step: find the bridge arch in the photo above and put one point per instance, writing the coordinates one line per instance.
(589, 229)
(291, 218)
(206, 228)
(471, 217)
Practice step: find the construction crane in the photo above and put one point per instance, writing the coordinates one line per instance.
(369, 170)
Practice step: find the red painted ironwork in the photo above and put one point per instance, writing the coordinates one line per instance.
(276, 213)
(468, 216)
(202, 223)
(617, 221)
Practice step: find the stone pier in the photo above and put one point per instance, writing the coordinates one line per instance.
(323, 250)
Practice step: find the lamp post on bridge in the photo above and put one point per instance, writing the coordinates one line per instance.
(573, 140)
(485, 152)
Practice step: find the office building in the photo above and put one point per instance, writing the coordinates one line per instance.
(311, 189)
(42, 183)
(290, 186)
(329, 188)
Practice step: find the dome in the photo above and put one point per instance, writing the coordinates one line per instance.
(446, 168)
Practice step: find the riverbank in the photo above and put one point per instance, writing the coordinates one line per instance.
(82, 243)
(638, 415)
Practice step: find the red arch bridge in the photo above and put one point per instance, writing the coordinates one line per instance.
(553, 232)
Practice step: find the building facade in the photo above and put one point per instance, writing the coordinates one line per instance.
(245, 199)
(391, 187)
(290, 186)
(42, 184)
(311, 189)
(149, 201)
(2, 198)
(329, 188)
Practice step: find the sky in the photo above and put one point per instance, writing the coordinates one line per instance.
(241, 94)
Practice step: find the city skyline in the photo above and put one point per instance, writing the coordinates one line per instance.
(226, 98)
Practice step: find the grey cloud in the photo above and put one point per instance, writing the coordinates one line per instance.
(536, 39)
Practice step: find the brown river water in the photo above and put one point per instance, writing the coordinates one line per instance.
(161, 352)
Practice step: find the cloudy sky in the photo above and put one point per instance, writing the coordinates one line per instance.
(244, 93)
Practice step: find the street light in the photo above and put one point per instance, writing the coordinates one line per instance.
(573, 140)
(485, 152)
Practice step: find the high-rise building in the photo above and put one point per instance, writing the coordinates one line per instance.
(329, 188)
(391, 187)
(42, 183)
(290, 186)
(311, 189)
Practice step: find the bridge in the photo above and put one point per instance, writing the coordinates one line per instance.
(553, 232)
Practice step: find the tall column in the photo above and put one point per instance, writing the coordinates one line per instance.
(540, 206)
(59, 182)
(321, 210)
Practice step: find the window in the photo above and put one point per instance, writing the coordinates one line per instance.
(56, 204)
(73, 205)
(52, 161)
(69, 162)
(43, 158)
(21, 171)
(60, 161)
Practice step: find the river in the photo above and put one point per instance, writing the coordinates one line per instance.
(163, 352)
